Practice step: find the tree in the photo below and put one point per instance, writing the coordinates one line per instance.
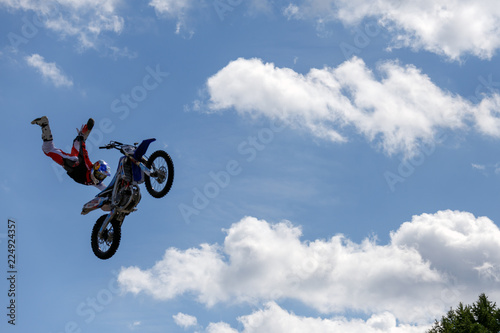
(482, 317)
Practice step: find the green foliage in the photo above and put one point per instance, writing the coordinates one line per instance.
(482, 317)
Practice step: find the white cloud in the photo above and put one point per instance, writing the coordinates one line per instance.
(220, 328)
(185, 321)
(49, 70)
(430, 264)
(134, 325)
(177, 9)
(487, 115)
(448, 27)
(183, 11)
(487, 169)
(172, 7)
(85, 20)
(465, 244)
(292, 12)
(277, 320)
(398, 107)
(478, 166)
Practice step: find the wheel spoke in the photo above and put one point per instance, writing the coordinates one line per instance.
(104, 242)
(160, 182)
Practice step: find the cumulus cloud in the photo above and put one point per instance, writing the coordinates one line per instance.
(467, 248)
(431, 263)
(450, 28)
(85, 20)
(49, 70)
(487, 115)
(185, 321)
(272, 318)
(398, 106)
(220, 327)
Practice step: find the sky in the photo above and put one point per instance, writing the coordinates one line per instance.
(336, 163)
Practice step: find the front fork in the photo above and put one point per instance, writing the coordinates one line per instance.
(113, 215)
(142, 164)
(108, 219)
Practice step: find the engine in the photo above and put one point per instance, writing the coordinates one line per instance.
(128, 197)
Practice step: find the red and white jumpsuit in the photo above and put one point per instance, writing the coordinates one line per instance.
(77, 164)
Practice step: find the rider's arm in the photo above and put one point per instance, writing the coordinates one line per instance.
(85, 155)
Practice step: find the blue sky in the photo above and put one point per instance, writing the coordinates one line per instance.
(336, 163)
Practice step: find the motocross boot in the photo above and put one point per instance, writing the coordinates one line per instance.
(43, 122)
(85, 130)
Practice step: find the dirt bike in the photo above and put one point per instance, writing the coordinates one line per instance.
(122, 195)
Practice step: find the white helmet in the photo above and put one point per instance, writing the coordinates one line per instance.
(101, 170)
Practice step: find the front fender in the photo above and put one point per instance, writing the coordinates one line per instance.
(141, 150)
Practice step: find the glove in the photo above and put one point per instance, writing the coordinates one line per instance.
(80, 131)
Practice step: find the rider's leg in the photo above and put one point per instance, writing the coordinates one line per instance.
(56, 154)
(83, 134)
(43, 122)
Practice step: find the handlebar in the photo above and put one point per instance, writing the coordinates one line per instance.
(117, 145)
(112, 144)
(125, 148)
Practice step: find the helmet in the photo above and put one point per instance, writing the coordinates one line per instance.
(101, 170)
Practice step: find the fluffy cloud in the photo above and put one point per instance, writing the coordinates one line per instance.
(448, 27)
(487, 115)
(277, 320)
(184, 320)
(398, 107)
(84, 19)
(220, 328)
(430, 264)
(448, 240)
(49, 70)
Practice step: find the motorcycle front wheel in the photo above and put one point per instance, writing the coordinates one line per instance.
(105, 245)
(162, 177)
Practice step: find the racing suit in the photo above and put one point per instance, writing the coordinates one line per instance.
(77, 164)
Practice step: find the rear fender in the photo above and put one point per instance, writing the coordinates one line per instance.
(97, 202)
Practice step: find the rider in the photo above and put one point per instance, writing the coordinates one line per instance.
(77, 164)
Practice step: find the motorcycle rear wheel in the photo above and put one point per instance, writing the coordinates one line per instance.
(105, 247)
(160, 183)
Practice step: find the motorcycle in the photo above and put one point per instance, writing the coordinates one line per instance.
(122, 195)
